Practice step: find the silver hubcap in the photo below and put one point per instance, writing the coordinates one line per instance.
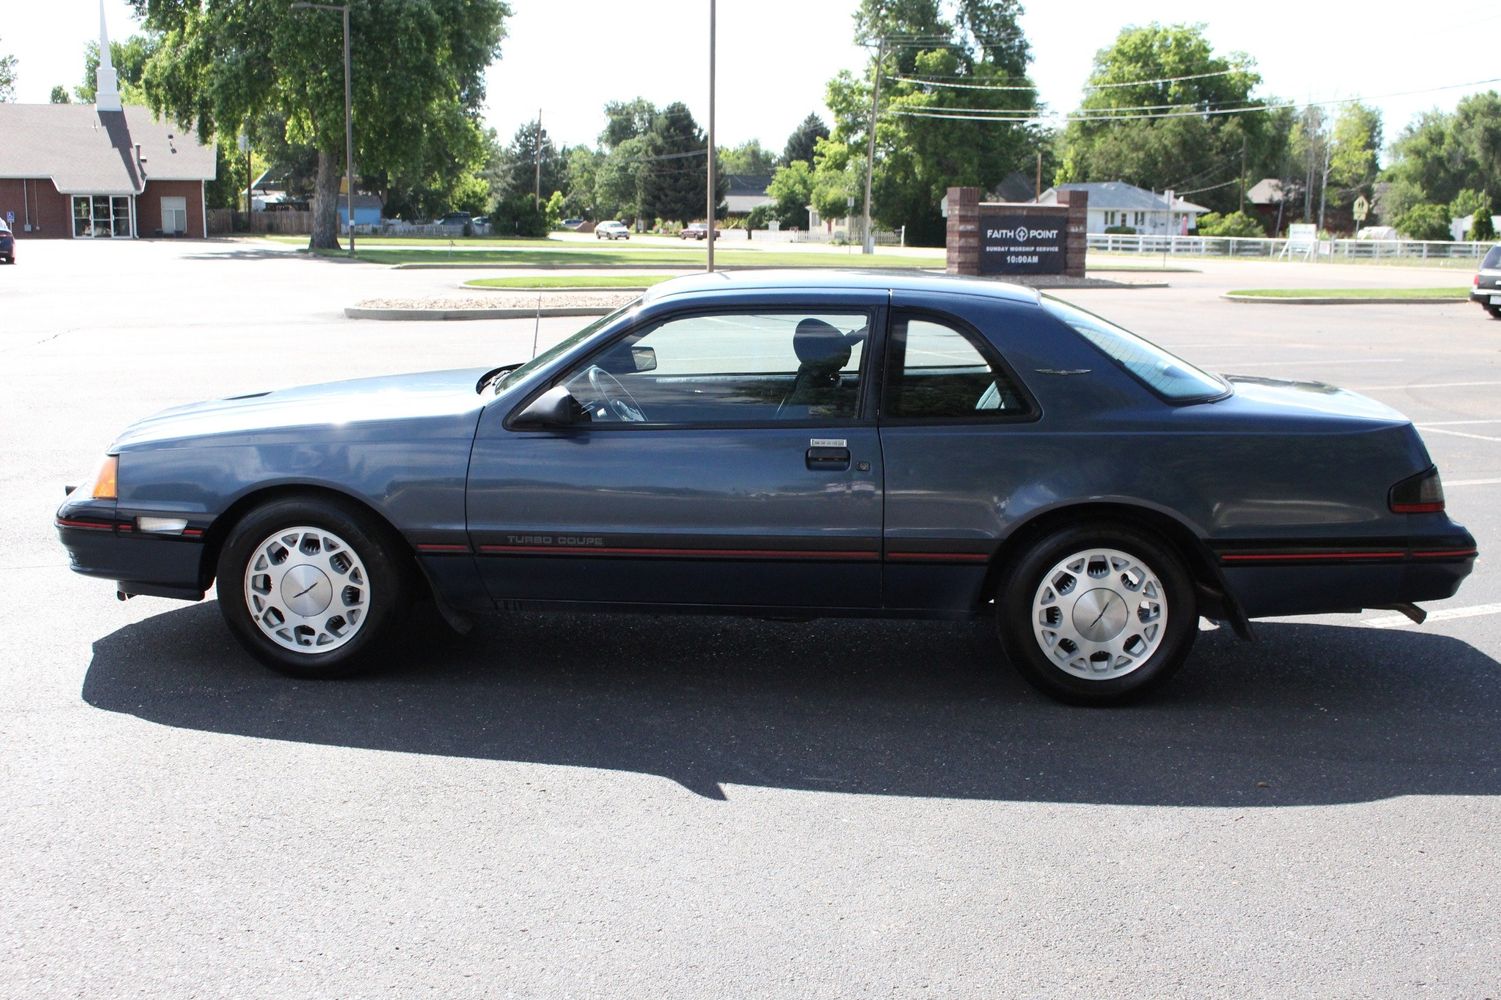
(1099, 614)
(307, 590)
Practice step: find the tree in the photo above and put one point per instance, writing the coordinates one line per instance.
(530, 153)
(1441, 154)
(1154, 116)
(746, 158)
(627, 120)
(957, 107)
(1476, 205)
(7, 78)
(129, 60)
(581, 182)
(792, 187)
(59, 95)
(1356, 143)
(418, 77)
(1425, 221)
(675, 181)
(804, 138)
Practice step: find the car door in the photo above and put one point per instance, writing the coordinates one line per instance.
(724, 458)
(951, 410)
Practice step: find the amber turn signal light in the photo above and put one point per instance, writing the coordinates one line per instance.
(105, 487)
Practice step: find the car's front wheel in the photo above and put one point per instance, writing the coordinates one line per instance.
(1095, 614)
(311, 587)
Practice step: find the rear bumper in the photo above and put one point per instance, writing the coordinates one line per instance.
(1306, 580)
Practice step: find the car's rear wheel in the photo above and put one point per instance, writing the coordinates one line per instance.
(1095, 614)
(311, 587)
(1495, 311)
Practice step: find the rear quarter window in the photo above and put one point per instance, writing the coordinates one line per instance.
(1492, 259)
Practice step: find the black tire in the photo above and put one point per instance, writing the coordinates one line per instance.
(1495, 311)
(339, 552)
(1036, 594)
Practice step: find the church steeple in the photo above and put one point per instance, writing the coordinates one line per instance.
(106, 83)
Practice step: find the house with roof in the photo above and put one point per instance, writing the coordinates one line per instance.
(1116, 205)
(101, 170)
(744, 192)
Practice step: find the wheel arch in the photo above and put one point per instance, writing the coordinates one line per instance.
(219, 530)
(1214, 596)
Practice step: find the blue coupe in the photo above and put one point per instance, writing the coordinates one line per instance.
(789, 444)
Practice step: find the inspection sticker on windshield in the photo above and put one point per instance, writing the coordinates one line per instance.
(828, 443)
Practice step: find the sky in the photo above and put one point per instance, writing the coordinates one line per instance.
(774, 57)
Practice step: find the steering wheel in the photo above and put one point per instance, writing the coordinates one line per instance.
(613, 396)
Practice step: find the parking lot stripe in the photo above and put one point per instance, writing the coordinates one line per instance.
(1441, 615)
(1472, 482)
(1420, 385)
(1456, 423)
(1461, 434)
(1311, 361)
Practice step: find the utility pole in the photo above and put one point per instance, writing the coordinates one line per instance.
(1324, 183)
(710, 214)
(1242, 174)
(1037, 195)
(869, 242)
(537, 164)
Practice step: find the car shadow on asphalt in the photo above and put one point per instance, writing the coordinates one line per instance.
(1309, 714)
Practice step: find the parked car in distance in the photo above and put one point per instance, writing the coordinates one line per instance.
(572, 223)
(699, 231)
(611, 230)
(1486, 288)
(456, 219)
(788, 444)
(7, 243)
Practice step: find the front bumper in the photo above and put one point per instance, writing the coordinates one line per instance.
(103, 542)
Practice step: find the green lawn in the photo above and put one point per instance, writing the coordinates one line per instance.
(1352, 293)
(573, 281)
(539, 252)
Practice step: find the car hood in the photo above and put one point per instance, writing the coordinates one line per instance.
(1286, 396)
(442, 399)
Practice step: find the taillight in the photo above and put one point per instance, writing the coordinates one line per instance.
(1420, 494)
(1476, 281)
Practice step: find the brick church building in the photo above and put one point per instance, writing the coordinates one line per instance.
(100, 171)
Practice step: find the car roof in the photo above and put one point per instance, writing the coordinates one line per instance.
(837, 279)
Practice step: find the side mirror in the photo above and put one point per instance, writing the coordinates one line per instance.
(554, 408)
(645, 359)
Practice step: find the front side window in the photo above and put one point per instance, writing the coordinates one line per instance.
(939, 373)
(728, 367)
(1166, 374)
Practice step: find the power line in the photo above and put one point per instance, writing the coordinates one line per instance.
(1020, 115)
(942, 80)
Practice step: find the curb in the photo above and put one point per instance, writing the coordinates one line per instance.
(466, 286)
(358, 312)
(454, 266)
(1326, 301)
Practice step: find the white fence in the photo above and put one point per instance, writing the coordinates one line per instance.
(884, 238)
(1235, 246)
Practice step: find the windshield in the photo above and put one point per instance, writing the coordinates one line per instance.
(1492, 259)
(1165, 374)
(510, 378)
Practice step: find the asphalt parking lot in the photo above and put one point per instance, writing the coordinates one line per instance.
(648, 807)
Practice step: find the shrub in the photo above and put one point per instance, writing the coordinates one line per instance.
(760, 216)
(1120, 231)
(1425, 221)
(1235, 224)
(518, 215)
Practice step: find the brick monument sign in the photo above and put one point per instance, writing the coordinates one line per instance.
(1002, 238)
